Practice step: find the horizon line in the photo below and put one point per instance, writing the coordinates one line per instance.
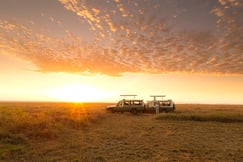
(108, 102)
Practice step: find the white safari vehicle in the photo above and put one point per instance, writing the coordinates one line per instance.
(164, 105)
(128, 105)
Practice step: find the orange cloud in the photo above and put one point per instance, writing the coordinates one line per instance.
(127, 40)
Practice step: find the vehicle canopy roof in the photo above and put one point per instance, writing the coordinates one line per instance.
(131, 100)
(156, 96)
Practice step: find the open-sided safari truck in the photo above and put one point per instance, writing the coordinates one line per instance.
(128, 105)
(138, 106)
(164, 105)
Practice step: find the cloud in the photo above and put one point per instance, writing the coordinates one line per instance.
(129, 36)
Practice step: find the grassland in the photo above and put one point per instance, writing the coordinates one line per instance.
(85, 132)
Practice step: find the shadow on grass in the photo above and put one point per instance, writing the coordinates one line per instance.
(203, 117)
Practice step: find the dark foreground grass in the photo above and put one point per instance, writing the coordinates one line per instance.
(203, 117)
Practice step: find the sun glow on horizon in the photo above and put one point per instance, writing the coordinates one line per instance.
(77, 93)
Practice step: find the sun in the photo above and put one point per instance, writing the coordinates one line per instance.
(77, 93)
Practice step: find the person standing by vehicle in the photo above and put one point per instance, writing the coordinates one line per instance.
(157, 108)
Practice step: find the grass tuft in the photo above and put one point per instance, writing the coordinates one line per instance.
(10, 138)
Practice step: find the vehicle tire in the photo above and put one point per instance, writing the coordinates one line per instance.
(112, 110)
(109, 110)
(174, 107)
(134, 111)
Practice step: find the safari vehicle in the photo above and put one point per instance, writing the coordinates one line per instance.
(164, 105)
(135, 105)
(128, 105)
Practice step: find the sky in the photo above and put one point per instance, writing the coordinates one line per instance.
(95, 50)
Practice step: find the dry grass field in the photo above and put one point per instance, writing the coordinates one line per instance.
(85, 132)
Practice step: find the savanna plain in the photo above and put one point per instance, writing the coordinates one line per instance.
(77, 132)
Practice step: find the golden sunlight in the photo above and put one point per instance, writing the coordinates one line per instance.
(77, 93)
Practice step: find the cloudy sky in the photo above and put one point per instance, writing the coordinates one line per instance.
(87, 50)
